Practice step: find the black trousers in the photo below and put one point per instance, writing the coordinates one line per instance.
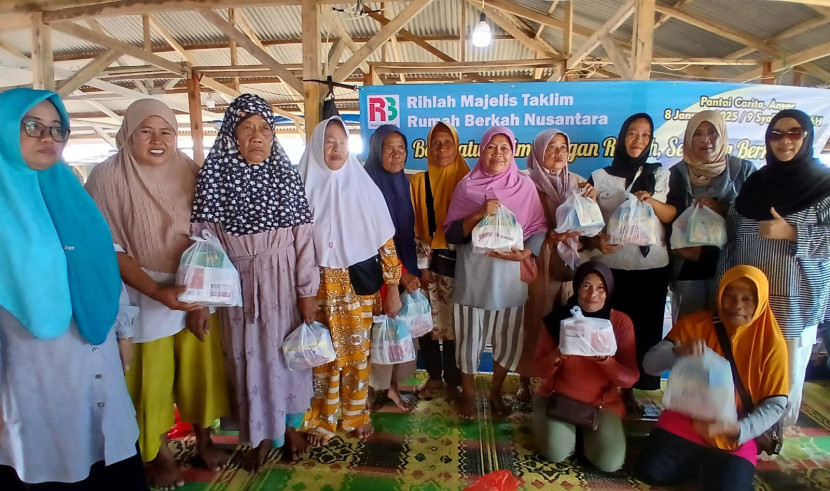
(669, 460)
(440, 363)
(127, 475)
(642, 295)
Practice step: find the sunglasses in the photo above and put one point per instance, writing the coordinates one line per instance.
(37, 130)
(791, 134)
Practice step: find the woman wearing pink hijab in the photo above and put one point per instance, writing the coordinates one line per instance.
(489, 293)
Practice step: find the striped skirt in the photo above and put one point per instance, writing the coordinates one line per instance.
(475, 327)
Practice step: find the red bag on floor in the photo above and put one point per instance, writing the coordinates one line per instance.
(181, 429)
(503, 480)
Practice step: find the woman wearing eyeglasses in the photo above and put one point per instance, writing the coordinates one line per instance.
(66, 419)
(781, 225)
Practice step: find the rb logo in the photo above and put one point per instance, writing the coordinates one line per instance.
(383, 109)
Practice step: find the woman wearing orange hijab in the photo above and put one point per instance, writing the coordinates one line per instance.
(724, 454)
(431, 193)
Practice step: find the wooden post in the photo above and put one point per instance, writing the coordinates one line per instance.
(43, 71)
(232, 46)
(643, 40)
(798, 77)
(767, 75)
(194, 99)
(148, 42)
(311, 65)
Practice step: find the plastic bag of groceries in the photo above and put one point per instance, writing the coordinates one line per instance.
(586, 336)
(416, 313)
(208, 274)
(498, 232)
(634, 222)
(698, 226)
(579, 214)
(702, 387)
(308, 346)
(391, 341)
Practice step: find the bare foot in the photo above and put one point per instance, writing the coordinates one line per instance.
(296, 445)
(363, 432)
(524, 393)
(255, 457)
(632, 406)
(452, 393)
(466, 406)
(498, 407)
(163, 472)
(213, 458)
(395, 396)
(425, 390)
(315, 439)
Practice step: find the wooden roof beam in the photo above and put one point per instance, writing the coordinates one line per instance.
(790, 61)
(643, 46)
(255, 50)
(515, 27)
(337, 28)
(383, 35)
(617, 56)
(590, 44)
(91, 70)
(112, 43)
(793, 31)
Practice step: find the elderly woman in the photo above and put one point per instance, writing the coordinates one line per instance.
(353, 239)
(385, 163)
(145, 192)
(592, 380)
(267, 236)
(781, 225)
(548, 167)
(641, 273)
(65, 415)
(706, 176)
(431, 193)
(716, 454)
(489, 292)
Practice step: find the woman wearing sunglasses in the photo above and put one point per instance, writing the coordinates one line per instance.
(781, 225)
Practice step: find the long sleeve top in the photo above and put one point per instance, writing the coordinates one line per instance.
(585, 378)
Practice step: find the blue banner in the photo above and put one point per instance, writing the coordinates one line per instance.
(591, 113)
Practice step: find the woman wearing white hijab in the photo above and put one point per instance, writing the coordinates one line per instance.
(352, 228)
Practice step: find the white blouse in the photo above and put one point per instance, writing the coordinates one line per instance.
(611, 192)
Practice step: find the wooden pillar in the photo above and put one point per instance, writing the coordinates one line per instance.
(567, 33)
(148, 42)
(643, 44)
(194, 99)
(43, 71)
(311, 65)
(233, 47)
(767, 75)
(798, 77)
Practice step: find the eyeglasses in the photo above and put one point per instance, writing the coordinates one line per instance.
(37, 130)
(791, 134)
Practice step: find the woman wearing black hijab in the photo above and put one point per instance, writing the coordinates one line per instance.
(781, 225)
(641, 273)
(594, 380)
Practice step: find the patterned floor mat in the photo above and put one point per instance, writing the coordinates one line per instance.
(431, 449)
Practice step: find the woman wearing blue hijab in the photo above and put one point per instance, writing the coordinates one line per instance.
(385, 164)
(65, 416)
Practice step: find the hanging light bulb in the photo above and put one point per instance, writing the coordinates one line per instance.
(210, 101)
(481, 36)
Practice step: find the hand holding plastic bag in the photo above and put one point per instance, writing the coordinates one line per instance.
(308, 346)
(634, 222)
(391, 342)
(586, 336)
(579, 214)
(702, 388)
(208, 274)
(500, 232)
(416, 313)
(698, 226)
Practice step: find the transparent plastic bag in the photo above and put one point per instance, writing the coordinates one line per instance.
(702, 388)
(308, 346)
(698, 226)
(416, 313)
(498, 232)
(208, 274)
(579, 214)
(391, 341)
(586, 336)
(634, 222)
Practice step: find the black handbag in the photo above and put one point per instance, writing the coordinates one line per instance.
(366, 276)
(771, 440)
(577, 413)
(442, 260)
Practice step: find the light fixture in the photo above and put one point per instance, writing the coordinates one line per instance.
(210, 101)
(481, 36)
